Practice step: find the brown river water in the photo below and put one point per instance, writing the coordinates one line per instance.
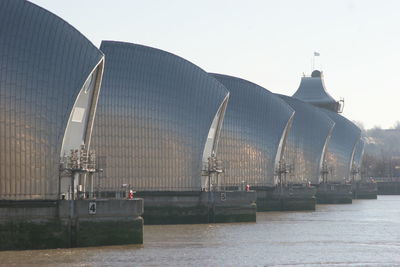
(366, 233)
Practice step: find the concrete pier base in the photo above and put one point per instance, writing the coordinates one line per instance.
(62, 224)
(198, 207)
(364, 190)
(288, 198)
(388, 188)
(334, 194)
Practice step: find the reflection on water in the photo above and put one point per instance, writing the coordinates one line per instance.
(366, 233)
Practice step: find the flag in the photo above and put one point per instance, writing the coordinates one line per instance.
(316, 54)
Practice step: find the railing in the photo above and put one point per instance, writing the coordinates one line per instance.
(386, 179)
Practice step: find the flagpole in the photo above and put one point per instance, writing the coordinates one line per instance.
(316, 54)
(313, 63)
(311, 66)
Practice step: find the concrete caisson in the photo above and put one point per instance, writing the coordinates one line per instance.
(41, 224)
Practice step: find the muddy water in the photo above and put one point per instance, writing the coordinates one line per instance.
(366, 233)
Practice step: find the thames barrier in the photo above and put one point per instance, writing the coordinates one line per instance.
(95, 142)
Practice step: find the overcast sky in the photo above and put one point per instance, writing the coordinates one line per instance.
(268, 42)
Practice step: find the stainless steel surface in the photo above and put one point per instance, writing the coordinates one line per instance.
(339, 155)
(44, 62)
(357, 159)
(252, 133)
(306, 143)
(153, 119)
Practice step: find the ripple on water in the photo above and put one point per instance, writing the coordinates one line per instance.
(365, 233)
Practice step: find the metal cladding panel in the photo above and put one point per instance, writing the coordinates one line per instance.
(44, 63)
(358, 153)
(254, 125)
(153, 118)
(312, 90)
(305, 144)
(357, 159)
(339, 155)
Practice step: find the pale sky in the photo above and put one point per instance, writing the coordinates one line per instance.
(269, 42)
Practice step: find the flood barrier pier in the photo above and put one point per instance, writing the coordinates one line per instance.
(286, 198)
(388, 187)
(331, 193)
(364, 190)
(190, 207)
(70, 223)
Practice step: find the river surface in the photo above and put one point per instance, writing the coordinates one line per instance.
(366, 233)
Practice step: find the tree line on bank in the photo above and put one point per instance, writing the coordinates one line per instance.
(382, 152)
